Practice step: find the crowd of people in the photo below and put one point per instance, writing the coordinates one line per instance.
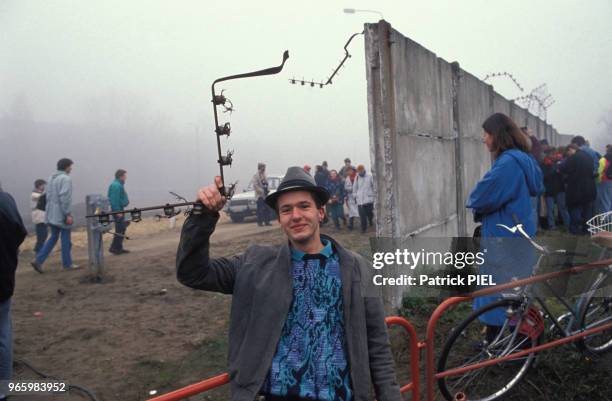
(51, 204)
(529, 178)
(51, 210)
(351, 194)
(577, 184)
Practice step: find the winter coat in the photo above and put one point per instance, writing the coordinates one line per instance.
(578, 170)
(505, 191)
(117, 196)
(321, 177)
(59, 200)
(259, 182)
(351, 200)
(605, 168)
(12, 234)
(336, 189)
(38, 216)
(553, 180)
(594, 157)
(503, 196)
(364, 189)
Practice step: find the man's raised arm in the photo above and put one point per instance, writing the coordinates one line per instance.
(194, 268)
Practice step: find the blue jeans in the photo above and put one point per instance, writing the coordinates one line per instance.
(559, 199)
(337, 213)
(120, 227)
(56, 232)
(579, 215)
(604, 197)
(366, 215)
(263, 212)
(41, 236)
(6, 341)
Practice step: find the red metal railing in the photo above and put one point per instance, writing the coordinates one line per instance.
(431, 376)
(223, 379)
(415, 357)
(194, 389)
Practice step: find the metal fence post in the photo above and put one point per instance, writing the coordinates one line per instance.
(95, 204)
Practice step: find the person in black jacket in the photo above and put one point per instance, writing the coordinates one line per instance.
(12, 234)
(581, 190)
(555, 189)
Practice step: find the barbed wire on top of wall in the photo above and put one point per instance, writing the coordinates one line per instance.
(537, 101)
(504, 74)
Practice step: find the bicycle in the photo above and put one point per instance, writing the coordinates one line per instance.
(524, 327)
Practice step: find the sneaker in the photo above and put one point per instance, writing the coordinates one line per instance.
(72, 267)
(115, 252)
(37, 266)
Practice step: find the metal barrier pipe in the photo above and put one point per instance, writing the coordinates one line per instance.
(223, 379)
(447, 303)
(414, 355)
(194, 389)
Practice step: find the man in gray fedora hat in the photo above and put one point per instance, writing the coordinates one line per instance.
(301, 327)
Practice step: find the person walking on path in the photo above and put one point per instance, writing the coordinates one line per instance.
(260, 186)
(335, 187)
(363, 189)
(58, 216)
(12, 234)
(351, 199)
(38, 214)
(118, 200)
(302, 328)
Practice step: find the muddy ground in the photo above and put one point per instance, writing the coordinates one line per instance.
(141, 331)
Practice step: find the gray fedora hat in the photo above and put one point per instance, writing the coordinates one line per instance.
(296, 179)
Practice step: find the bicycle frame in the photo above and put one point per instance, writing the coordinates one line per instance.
(527, 297)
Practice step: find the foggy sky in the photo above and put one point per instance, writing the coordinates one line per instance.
(129, 82)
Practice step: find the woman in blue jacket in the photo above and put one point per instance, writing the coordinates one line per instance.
(502, 196)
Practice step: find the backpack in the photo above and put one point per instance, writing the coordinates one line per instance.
(41, 203)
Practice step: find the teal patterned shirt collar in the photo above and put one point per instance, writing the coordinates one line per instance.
(327, 251)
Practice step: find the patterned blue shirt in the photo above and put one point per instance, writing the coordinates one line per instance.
(310, 360)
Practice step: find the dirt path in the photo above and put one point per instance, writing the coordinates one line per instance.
(122, 337)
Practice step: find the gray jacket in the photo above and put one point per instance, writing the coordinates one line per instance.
(363, 188)
(59, 199)
(261, 283)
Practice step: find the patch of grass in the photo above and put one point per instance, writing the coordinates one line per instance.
(208, 359)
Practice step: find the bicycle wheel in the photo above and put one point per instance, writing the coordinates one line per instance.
(596, 310)
(467, 345)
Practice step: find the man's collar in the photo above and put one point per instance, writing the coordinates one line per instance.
(326, 252)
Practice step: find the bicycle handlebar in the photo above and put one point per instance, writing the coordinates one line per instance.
(519, 228)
